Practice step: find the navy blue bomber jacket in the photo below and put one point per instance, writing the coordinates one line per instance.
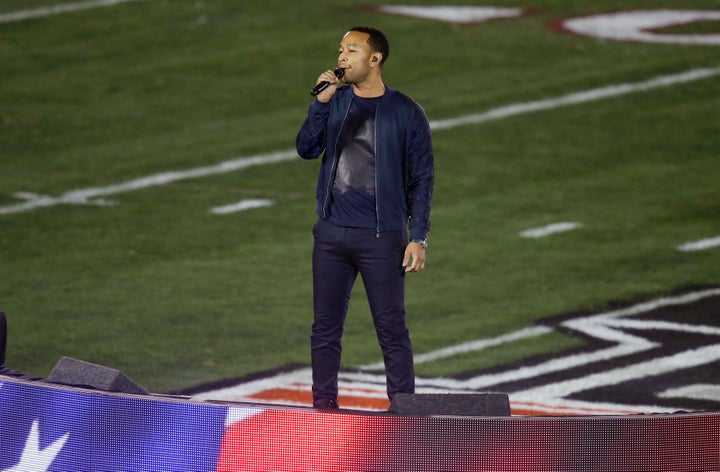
(404, 169)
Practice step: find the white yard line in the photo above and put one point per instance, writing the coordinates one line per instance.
(87, 196)
(242, 205)
(550, 229)
(700, 245)
(471, 346)
(577, 98)
(57, 9)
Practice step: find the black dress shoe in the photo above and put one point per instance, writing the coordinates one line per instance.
(326, 403)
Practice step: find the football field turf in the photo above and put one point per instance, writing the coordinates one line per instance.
(154, 218)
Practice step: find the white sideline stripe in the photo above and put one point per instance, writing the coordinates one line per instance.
(242, 391)
(241, 206)
(663, 325)
(554, 365)
(84, 196)
(577, 97)
(57, 9)
(697, 391)
(550, 229)
(643, 307)
(700, 245)
(470, 346)
(654, 367)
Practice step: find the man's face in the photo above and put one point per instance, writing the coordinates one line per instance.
(355, 56)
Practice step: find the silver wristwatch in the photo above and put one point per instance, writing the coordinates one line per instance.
(422, 242)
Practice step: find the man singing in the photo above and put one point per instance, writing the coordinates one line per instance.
(375, 185)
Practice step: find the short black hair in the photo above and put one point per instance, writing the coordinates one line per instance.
(378, 41)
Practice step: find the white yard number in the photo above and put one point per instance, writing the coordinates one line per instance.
(645, 26)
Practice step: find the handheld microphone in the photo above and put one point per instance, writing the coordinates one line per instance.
(324, 84)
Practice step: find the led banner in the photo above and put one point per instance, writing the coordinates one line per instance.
(46, 427)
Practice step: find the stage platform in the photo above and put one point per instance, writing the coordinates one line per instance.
(53, 427)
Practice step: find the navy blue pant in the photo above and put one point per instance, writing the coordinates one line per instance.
(339, 254)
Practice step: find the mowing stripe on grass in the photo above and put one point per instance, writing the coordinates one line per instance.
(86, 196)
(57, 9)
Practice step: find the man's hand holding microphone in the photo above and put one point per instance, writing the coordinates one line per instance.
(326, 84)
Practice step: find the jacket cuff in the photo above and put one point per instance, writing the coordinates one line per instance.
(418, 233)
(318, 106)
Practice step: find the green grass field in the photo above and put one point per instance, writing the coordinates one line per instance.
(175, 296)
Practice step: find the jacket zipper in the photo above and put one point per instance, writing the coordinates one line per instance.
(377, 188)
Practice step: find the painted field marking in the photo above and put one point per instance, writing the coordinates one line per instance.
(550, 229)
(470, 346)
(366, 390)
(241, 206)
(602, 326)
(663, 365)
(643, 26)
(86, 196)
(700, 245)
(696, 391)
(599, 327)
(605, 326)
(57, 9)
(577, 98)
(453, 14)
